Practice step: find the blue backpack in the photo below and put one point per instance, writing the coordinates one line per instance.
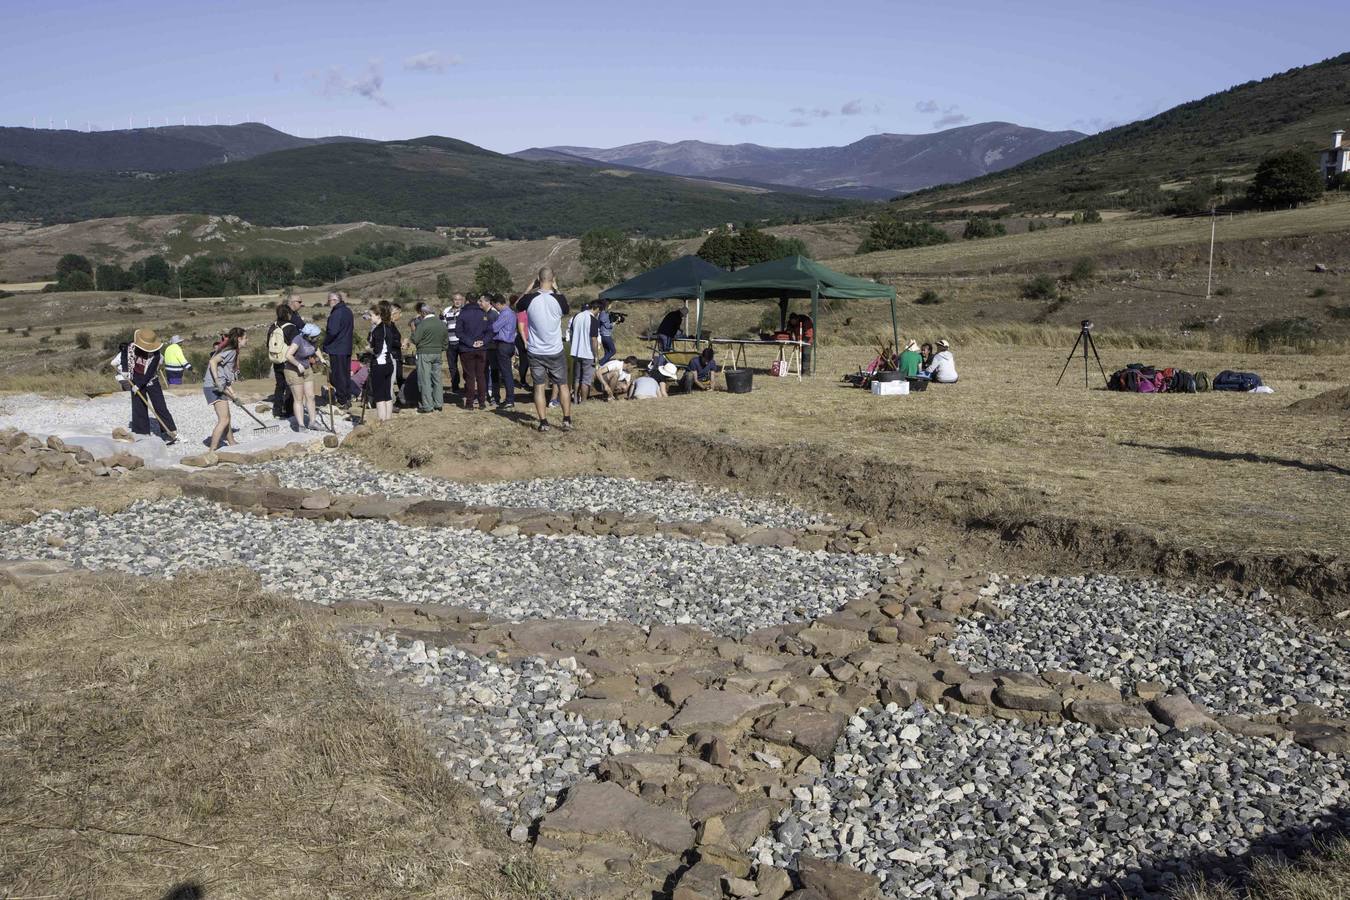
(1235, 381)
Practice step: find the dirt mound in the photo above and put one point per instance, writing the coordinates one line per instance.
(1334, 402)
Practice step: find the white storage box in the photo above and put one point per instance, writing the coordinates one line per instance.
(889, 388)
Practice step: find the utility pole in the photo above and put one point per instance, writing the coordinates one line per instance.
(1213, 222)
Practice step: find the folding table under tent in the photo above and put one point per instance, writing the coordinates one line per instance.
(796, 277)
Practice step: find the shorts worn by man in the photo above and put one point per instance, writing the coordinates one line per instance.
(429, 338)
(544, 308)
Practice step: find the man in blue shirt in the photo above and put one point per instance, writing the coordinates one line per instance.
(606, 323)
(337, 344)
(504, 333)
(701, 373)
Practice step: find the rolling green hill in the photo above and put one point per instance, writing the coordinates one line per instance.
(1135, 165)
(418, 183)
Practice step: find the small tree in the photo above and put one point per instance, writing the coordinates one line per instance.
(76, 281)
(491, 277)
(1287, 178)
(647, 253)
(444, 290)
(1084, 270)
(83, 341)
(605, 255)
(1041, 287)
(73, 262)
(889, 233)
(983, 227)
(719, 248)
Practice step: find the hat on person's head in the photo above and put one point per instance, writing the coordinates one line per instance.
(943, 344)
(912, 345)
(176, 339)
(667, 371)
(146, 340)
(310, 330)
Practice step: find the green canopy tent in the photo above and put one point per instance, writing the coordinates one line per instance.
(797, 277)
(679, 279)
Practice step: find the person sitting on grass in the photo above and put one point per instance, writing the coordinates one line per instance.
(910, 360)
(613, 378)
(701, 373)
(653, 387)
(222, 371)
(942, 367)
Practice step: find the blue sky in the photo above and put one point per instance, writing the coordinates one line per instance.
(508, 75)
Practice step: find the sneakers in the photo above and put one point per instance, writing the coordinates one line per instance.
(505, 406)
(554, 404)
(544, 426)
(567, 424)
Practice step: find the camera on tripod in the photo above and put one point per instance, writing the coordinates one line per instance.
(1085, 340)
(617, 317)
(1087, 325)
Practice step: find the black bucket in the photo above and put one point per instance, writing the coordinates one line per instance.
(917, 384)
(888, 376)
(738, 381)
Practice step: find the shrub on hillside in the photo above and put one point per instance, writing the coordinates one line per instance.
(929, 297)
(1086, 217)
(1084, 270)
(491, 276)
(444, 290)
(1041, 287)
(1338, 312)
(83, 341)
(983, 227)
(889, 233)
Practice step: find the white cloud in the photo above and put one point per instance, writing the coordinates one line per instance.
(851, 108)
(927, 107)
(951, 119)
(746, 119)
(431, 61)
(369, 84)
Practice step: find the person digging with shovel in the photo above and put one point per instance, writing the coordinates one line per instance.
(218, 385)
(145, 357)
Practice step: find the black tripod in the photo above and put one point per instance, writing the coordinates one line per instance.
(1084, 338)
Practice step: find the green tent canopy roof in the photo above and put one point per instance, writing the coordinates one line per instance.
(793, 276)
(678, 279)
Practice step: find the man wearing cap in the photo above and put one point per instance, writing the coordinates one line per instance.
(910, 360)
(429, 338)
(337, 345)
(144, 358)
(175, 361)
(942, 367)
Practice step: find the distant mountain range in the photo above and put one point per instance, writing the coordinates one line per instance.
(876, 167)
(419, 183)
(1138, 165)
(175, 148)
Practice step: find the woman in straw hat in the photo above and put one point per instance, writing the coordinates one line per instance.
(145, 356)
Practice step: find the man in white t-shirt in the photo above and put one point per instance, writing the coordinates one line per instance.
(544, 308)
(614, 376)
(584, 339)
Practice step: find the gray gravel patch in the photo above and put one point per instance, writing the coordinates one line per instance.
(644, 580)
(500, 727)
(1227, 655)
(943, 805)
(668, 501)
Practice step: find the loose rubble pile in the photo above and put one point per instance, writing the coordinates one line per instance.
(24, 456)
(1230, 656)
(667, 501)
(646, 580)
(500, 726)
(943, 805)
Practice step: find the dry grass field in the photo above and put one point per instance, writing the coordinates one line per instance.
(204, 733)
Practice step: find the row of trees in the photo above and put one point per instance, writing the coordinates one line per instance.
(608, 255)
(747, 247)
(216, 276)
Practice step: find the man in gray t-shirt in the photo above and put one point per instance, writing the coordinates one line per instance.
(544, 308)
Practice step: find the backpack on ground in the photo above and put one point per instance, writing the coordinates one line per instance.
(276, 344)
(1183, 382)
(1201, 382)
(1236, 381)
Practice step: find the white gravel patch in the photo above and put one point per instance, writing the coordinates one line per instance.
(1227, 655)
(89, 423)
(500, 726)
(645, 580)
(667, 501)
(944, 805)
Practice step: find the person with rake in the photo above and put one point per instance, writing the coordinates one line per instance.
(145, 359)
(222, 371)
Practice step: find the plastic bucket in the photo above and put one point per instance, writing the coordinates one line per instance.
(738, 381)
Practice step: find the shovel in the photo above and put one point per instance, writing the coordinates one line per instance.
(247, 412)
(172, 435)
